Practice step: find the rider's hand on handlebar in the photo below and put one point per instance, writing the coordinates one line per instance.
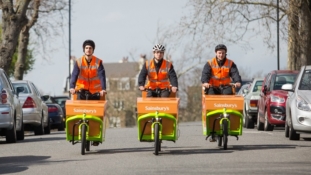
(206, 85)
(142, 88)
(237, 84)
(174, 89)
(72, 91)
(102, 92)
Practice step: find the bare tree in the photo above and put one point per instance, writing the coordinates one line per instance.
(43, 29)
(231, 21)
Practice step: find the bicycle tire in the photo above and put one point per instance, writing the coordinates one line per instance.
(88, 144)
(156, 139)
(219, 140)
(225, 133)
(83, 139)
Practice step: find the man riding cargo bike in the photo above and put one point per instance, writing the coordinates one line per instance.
(219, 103)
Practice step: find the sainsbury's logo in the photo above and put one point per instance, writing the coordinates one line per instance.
(157, 108)
(77, 110)
(225, 105)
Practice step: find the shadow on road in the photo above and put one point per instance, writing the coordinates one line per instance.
(263, 147)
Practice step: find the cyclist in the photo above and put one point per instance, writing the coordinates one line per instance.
(88, 74)
(219, 72)
(161, 75)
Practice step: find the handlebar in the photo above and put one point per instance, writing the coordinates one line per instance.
(87, 95)
(220, 87)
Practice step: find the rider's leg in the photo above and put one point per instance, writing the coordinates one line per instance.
(165, 93)
(151, 93)
(227, 90)
(213, 91)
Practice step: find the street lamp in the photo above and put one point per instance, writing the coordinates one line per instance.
(69, 61)
(277, 28)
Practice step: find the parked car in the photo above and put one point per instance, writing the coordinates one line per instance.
(298, 105)
(56, 114)
(61, 100)
(243, 89)
(250, 103)
(34, 109)
(271, 104)
(244, 81)
(11, 113)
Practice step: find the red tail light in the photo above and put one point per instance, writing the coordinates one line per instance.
(53, 109)
(29, 103)
(4, 96)
(253, 103)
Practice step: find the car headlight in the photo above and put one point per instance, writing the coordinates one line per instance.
(302, 104)
(277, 99)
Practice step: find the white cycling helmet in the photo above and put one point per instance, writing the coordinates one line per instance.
(159, 47)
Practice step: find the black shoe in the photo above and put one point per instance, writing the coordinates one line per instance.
(95, 143)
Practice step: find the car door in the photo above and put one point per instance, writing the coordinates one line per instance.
(262, 99)
(43, 106)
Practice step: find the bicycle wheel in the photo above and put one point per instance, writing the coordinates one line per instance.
(83, 139)
(88, 143)
(156, 139)
(219, 140)
(225, 133)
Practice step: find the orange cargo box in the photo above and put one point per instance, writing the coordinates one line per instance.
(165, 105)
(89, 107)
(213, 102)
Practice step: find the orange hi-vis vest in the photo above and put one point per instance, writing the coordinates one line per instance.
(160, 79)
(220, 75)
(88, 78)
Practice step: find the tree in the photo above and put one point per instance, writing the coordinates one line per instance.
(18, 18)
(230, 21)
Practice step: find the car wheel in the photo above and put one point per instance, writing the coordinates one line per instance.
(20, 134)
(267, 125)
(47, 129)
(39, 130)
(292, 133)
(286, 130)
(11, 134)
(259, 124)
(61, 126)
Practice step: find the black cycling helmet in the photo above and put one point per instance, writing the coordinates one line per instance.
(88, 43)
(220, 46)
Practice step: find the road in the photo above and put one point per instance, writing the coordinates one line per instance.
(254, 153)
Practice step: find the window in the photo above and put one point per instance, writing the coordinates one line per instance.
(305, 83)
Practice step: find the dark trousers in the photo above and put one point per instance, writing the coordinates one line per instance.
(226, 90)
(162, 93)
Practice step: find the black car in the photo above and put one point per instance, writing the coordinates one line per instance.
(56, 114)
(61, 100)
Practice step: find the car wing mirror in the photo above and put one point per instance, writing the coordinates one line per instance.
(45, 97)
(288, 87)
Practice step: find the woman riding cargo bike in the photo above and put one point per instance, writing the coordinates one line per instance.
(157, 117)
(85, 113)
(221, 108)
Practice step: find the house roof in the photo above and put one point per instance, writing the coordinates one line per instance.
(118, 70)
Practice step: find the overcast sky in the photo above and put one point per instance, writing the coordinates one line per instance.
(120, 27)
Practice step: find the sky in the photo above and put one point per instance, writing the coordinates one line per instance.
(120, 28)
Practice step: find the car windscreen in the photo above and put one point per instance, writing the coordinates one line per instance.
(60, 100)
(27, 90)
(257, 86)
(282, 79)
(305, 82)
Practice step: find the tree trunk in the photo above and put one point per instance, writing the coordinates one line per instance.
(22, 54)
(305, 32)
(12, 23)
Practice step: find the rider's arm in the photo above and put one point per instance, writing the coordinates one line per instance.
(206, 73)
(102, 76)
(142, 75)
(234, 74)
(74, 76)
(173, 77)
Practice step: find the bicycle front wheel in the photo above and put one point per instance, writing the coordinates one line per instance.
(225, 133)
(156, 139)
(83, 139)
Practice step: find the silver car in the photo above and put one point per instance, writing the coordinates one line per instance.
(298, 105)
(11, 113)
(34, 109)
(250, 103)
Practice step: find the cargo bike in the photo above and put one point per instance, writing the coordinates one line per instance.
(85, 120)
(157, 119)
(222, 116)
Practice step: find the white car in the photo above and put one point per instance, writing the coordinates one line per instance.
(11, 113)
(34, 109)
(251, 96)
(298, 105)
